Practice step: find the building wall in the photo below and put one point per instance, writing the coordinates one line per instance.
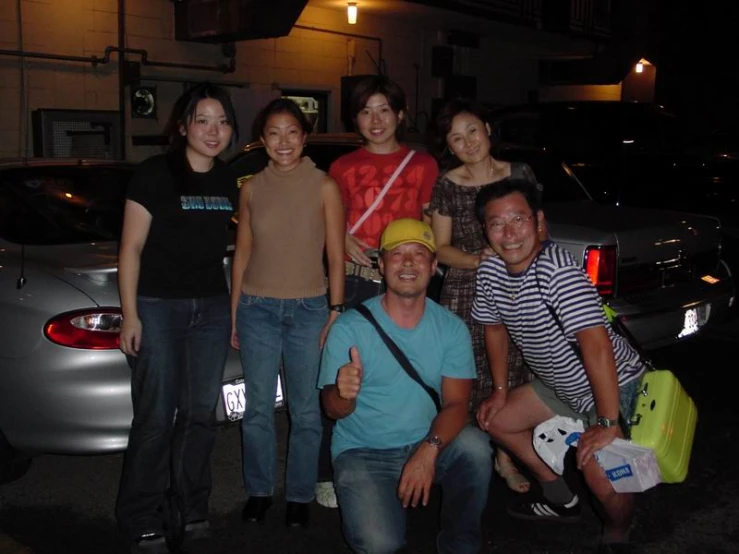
(554, 93)
(306, 59)
(639, 87)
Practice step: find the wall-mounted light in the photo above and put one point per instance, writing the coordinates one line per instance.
(351, 13)
(641, 64)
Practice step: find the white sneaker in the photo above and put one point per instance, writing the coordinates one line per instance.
(326, 494)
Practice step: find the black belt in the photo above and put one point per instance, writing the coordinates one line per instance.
(363, 272)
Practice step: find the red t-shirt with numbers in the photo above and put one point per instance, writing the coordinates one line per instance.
(362, 175)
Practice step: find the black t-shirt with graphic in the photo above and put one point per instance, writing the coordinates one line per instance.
(183, 254)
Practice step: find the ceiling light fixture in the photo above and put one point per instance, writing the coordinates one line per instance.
(351, 13)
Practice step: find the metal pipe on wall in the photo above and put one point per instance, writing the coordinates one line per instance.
(122, 73)
(380, 60)
(95, 61)
(22, 113)
(185, 80)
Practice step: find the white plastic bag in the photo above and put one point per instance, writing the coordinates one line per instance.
(629, 467)
(552, 439)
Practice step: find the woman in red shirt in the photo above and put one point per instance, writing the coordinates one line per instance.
(381, 181)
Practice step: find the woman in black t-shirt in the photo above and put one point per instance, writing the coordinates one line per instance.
(176, 321)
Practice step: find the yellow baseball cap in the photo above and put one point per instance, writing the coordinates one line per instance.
(403, 231)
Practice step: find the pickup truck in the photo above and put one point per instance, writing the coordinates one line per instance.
(661, 271)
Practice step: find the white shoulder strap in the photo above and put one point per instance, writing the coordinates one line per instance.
(384, 190)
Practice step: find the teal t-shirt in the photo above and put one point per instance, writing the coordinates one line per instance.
(393, 410)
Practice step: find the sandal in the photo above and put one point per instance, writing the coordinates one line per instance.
(513, 478)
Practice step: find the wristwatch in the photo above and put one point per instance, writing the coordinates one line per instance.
(604, 422)
(434, 441)
(337, 308)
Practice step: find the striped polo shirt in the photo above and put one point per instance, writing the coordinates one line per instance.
(520, 301)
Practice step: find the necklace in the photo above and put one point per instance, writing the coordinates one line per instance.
(492, 166)
(511, 289)
(491, 173)
(484, 178)
(515, 287)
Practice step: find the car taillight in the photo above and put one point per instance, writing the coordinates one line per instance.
(600, 265)
(93, 329)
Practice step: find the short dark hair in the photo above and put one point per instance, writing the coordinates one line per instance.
(500, 189)
(455, 107)
(379, 84)
(443, 125)
(276, 106)
(184, 108)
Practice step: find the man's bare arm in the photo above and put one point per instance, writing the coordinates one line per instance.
(418, 473)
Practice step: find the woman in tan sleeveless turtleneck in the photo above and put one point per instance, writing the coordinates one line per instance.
(288, 214)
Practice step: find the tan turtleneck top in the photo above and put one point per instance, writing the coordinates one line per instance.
(288, 233)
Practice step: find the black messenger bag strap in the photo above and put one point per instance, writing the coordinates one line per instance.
(398, 353)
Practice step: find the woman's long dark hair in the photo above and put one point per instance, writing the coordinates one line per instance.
(182, 114)
(184, 108)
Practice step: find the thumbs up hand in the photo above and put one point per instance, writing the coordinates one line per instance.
(349, 379)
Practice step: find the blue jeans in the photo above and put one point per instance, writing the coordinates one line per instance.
(175, 384)
(270, 329)
(373, 519)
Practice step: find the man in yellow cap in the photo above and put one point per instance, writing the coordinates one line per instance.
(391, 443)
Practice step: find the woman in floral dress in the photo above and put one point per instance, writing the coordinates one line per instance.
(462, 245)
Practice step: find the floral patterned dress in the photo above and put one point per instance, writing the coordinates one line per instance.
(458, 291)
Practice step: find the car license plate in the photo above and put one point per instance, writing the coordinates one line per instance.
(695, 318)
(234, 398)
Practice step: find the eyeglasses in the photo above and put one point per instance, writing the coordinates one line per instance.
(516, 223)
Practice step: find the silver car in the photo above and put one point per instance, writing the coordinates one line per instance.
(64, 384)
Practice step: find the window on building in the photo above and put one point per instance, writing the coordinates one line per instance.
(314, 104)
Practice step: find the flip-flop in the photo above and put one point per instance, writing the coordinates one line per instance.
(513, 478)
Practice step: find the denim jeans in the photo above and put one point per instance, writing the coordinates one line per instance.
(271, 329)
(175, 384)
(373, 519)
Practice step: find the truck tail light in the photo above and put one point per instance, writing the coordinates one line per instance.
(93, 329)
(600, 265)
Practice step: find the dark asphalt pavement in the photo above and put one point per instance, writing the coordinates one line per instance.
(64, 504)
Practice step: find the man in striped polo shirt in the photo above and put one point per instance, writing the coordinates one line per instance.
(536, 292)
